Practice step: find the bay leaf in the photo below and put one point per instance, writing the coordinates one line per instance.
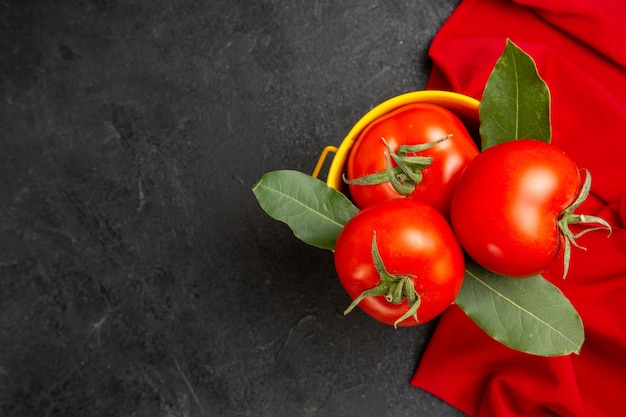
(515, 102)
(315, 212)
(527, 314)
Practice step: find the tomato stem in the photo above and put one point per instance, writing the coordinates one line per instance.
(568, 218)
(395, 287)
(406, 173)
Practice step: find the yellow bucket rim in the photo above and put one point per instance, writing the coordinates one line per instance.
(464, 107)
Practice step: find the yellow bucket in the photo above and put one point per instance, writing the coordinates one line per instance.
(464, 107)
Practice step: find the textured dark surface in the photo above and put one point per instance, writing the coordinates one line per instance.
(138, 275)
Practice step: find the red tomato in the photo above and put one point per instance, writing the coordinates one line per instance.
(507, 206)
(412, 124)
(415, 245)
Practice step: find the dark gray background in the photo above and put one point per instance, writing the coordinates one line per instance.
(138, 275)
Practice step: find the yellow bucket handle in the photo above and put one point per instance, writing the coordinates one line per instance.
(322, 159)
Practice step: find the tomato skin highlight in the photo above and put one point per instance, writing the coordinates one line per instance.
(409, 125)
(507, 204)
(413, 239)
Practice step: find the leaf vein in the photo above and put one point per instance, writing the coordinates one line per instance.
(330, 219)
(521, 308)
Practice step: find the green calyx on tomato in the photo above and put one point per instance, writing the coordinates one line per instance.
(407, 172)
(395, 287)
(568, 217)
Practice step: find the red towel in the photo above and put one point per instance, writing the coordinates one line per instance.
(579, 47)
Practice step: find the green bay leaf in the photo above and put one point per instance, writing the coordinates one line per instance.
(515, 102)
(314, 211)
(527, 314)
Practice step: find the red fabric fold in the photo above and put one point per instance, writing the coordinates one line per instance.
(579, 48)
